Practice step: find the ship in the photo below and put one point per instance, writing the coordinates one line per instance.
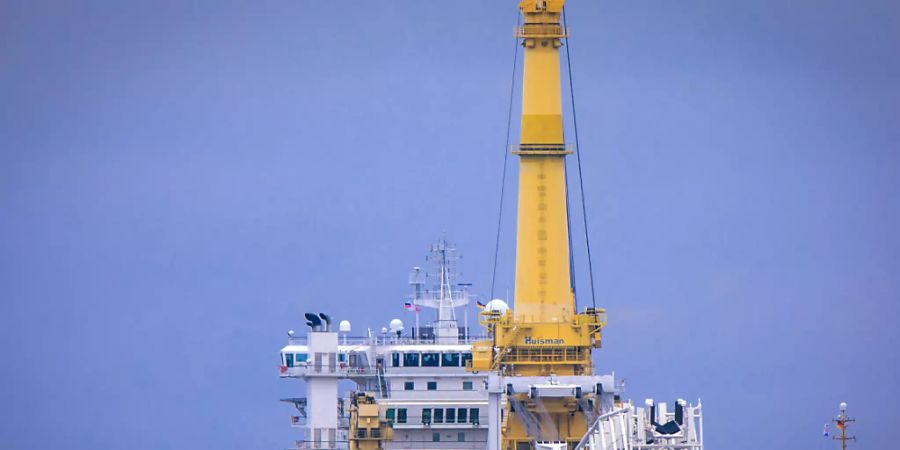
(526, 380)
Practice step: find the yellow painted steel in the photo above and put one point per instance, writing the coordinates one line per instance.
(542, 291)
(543, 335)
(367, 431)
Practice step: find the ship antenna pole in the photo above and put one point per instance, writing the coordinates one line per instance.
(842, 421)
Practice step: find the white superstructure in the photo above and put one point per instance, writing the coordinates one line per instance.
(426, 396)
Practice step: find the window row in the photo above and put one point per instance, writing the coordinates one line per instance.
(432, 385)
(436, 415)
(430, 359)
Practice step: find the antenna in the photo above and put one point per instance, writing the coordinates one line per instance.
(842, 421)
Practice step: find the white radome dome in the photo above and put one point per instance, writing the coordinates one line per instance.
(497, 305)
(344, 326)
(396, 325)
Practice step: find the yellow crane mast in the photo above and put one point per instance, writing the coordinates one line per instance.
(542, 348)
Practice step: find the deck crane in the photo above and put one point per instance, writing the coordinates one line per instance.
(539, 353)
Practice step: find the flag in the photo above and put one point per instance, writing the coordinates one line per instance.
(479, 304)
(826, 431)
(408, 305)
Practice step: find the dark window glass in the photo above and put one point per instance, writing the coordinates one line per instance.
(389, 415)
(463, 415)
(451, 415)
(438, 415)
(431, 359)
(289, 359)
(401, 415)
(301, 357)
(466, 357)
(435, 437)
(426, 416)
(450, 359)
(395, 360)
(473, 415)
(467, 385)
(410, 360)
(461, 437)
(432, 385)
(409, 386)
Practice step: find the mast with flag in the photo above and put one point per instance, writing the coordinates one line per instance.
(842, 421)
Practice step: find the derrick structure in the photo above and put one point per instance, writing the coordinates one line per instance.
(539, 353)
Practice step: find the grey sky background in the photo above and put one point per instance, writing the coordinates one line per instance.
(179, 181)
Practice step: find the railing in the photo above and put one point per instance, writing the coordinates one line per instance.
(541, 30)
(383, 340)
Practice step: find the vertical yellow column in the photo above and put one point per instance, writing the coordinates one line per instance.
(543, 292)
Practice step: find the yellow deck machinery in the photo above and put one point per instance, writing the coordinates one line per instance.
(367, 431)
(539, 353)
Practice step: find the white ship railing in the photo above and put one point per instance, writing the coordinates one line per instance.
(384, 340)
(630, 428)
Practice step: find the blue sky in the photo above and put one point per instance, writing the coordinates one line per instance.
(179, 181)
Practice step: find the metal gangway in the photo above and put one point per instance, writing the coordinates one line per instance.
(649, 428)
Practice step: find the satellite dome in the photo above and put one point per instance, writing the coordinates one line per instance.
(396, 325)
(497, 305)
(344, 326)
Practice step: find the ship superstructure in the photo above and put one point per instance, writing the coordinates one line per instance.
(529, 383)
(411, 389)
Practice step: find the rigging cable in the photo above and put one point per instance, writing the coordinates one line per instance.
(587, 240)
(512, 91)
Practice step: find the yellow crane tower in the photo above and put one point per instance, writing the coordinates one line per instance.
(541, 350)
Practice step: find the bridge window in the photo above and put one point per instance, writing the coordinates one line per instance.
(431, 359)
(462, 414)
(451, 415)
(289, 359)
(438, 415)
(410, 360)
(389, 416)
(426, 416)
(301, 357)
(450, 359)
(401, 415)
(466, 357)
(395, 359)
(473, 415)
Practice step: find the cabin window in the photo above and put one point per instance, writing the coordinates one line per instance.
(435, 437)
(461, 437)
(462, 414)
(342, 357)
(301, 357)
(389, 416)
(395, 359)
(426, 416)
(450, 359)
(473, 415)
(289, 359)
(438, 415)
(409, 386)
(432, 385)
(401, 415)
(451, 415)
(431, 359)
(410, 360)
(466, 358)
(467, 385)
